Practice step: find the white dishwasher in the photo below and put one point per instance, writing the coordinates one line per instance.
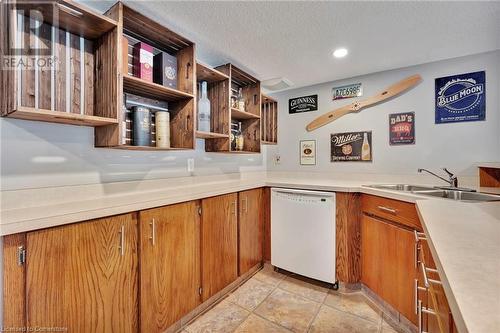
(303, 232)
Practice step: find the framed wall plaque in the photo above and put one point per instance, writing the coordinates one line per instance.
(461, 98)
(351, 147)
(348, 91)
(402, 128)
(308, 152)
(303, 104)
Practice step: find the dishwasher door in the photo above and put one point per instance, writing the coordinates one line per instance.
(303, 232)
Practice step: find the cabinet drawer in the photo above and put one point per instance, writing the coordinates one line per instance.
(394, 210)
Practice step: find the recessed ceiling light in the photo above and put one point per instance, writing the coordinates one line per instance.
(340, 53)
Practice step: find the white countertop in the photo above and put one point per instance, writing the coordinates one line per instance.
(464, 237)
(465, 243)
(31, 209)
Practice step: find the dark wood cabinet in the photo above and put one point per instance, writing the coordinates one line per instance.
(169, 246)
(219, 243)
(83, 276)
(250, 230)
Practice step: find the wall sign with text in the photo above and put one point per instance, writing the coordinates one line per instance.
(308, 152)
(349, 91)
(461, 98)
(303, 104)
(351, 147)
(402, 128)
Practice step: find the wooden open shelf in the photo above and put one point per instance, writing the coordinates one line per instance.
(181, 100)
(242, 115)
(217, 91)
(224, 114)
(80, 87)
(205, 73)
(210, 135)
(61, 117)
(71, 16)
(129, 147)
(152, 90)
(269, 120)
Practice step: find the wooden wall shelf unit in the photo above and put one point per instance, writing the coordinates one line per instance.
(133, 27)
(269, 121)
(223, 114)
(75, 52)
(217, 91)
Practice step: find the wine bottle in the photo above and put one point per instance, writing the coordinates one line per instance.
(234, 132)
(241, 100)
(239, 138)
(204, 110)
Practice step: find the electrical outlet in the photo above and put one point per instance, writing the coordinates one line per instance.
(190, 164)
(277, 159)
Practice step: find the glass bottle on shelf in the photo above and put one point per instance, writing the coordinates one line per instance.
(234, 132)
(204, 109)
(241, 100)
(234, 100)
(239, 138)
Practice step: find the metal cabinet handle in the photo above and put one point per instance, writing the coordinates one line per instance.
(233, 205)
(427, 281)
(387, 209)
(415, 254)
(419, 236)
(422, 309)
(417, 288)
(122, 240)
(245, 204)
(153, 232)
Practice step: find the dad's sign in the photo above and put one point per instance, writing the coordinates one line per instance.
(303, 104)
(461, 98)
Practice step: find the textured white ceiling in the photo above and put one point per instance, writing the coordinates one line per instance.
(296, 39)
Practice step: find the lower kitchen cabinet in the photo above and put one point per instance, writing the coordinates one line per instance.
(169, 246)
(387, 263)
(219, 243)
(250, 229)
(83, 276)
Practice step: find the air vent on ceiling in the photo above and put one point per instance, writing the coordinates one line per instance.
(278, 83)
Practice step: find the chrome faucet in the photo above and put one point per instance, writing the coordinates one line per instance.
(452, 179)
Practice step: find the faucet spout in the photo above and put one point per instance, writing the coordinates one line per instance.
(452, 179)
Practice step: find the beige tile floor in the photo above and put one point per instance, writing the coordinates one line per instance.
(272, 302)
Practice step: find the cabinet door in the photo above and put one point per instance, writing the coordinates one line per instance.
(84, 276)
(250, 229)
(219, 243)
(169, 246)
(388, 267)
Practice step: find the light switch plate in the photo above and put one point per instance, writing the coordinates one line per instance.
(190, 164)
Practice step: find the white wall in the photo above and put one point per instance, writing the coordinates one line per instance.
(457, 146)
(36, 154)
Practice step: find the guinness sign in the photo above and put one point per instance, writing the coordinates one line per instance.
(303, 104)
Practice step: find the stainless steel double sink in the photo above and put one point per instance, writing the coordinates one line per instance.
(446, 193)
